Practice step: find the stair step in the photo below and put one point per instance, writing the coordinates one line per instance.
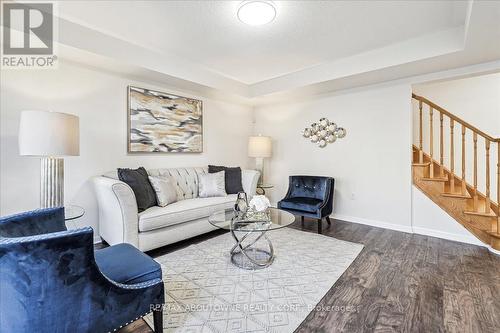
(493, 234)
(435, 179)
(421, 164)
(481, 213)
(456, 195)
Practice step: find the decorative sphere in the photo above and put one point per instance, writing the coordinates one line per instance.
(321, 143)
(322, 133)
(323, 122)
(341, 132)
(331, 138)
(314, 138)
(306, 132)
(332, 127)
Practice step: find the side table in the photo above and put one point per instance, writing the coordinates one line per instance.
(261, 188)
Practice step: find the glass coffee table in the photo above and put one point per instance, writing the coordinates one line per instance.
(247, 232)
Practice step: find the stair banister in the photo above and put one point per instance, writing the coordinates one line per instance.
(489, 203)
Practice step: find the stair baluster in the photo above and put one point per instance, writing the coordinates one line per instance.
(431, 144)
(487, 200)
(441, 146)
(464, 186)
(421, 138)
(475, 198)
(452, 157)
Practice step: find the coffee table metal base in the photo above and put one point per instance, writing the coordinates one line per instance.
(247, 256)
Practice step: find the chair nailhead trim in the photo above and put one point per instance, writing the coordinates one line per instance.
(130, 322)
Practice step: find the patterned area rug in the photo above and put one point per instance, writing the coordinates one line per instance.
(204, 292)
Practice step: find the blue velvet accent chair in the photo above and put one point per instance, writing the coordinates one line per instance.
(309, 196)
(51, 281)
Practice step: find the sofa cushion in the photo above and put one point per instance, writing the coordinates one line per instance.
(232, 177)
(186, 180)
(183, 211)
(124, 263)
(165, 189)
(310, 205)
(138, 180)
(212, 185)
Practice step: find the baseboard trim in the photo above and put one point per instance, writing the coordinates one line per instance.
(373, 223)
(449, 236)
(411, 230)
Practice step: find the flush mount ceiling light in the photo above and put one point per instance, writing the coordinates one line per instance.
(256, 12)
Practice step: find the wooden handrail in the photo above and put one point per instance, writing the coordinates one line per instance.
(457, 119)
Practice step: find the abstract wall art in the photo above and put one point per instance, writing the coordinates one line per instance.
(323, 132)
(163, 123)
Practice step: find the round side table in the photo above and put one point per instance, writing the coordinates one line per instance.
(261, 188)
(72, 212)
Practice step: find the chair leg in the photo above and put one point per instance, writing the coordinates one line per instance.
(328, 220)
(158, 320)
(320, 226)
(302, 221)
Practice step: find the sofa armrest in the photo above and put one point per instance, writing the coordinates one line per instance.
(249, 179)
(118, 213)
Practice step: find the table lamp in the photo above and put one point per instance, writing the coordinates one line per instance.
(50, 135)
(259, 147)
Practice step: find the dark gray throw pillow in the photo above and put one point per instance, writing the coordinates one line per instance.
(232, 177)
(138, 180)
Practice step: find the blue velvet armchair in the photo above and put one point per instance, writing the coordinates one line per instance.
(309, 196)
(52, 281)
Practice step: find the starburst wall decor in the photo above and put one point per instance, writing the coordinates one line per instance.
(324, 132)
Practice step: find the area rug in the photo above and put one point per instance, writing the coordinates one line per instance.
(204, 292)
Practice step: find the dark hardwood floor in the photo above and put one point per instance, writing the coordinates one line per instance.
(400, 283)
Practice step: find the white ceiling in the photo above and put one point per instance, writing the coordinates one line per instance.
(304, 34)
(313, 47)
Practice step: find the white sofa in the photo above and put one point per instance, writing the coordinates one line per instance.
(120, 221)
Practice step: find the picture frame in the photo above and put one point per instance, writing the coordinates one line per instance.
(160, 122)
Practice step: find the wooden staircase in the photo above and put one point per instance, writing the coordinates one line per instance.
(475, 210)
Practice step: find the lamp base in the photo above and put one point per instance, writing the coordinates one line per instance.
(51, 182)
(259, 165)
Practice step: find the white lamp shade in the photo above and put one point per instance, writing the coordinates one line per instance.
(43, 133)
(259, 146)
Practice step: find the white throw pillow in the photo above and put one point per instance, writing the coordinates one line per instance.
(212, 185)
(165, 189)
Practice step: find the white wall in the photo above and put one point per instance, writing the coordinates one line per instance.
(371, 165)
(100, 100)
(475, 100)
(429, 219)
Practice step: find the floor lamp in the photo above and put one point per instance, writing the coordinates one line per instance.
(49, 135)
(259, 147)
